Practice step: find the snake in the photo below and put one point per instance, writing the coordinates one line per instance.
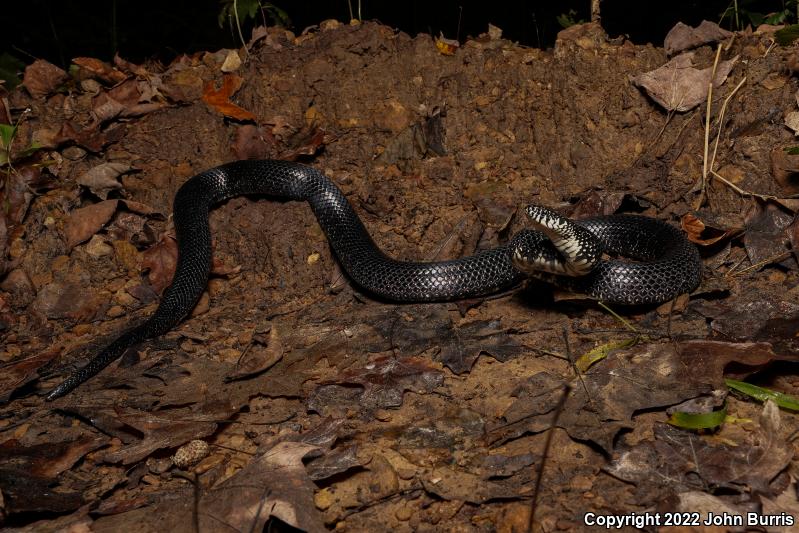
(578, 255)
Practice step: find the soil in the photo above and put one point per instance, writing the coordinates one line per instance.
(325, 408)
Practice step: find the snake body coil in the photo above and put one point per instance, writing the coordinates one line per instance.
(670, 266)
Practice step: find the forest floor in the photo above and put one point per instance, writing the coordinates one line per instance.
(325, 408)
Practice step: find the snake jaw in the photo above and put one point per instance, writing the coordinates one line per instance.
(578, 250)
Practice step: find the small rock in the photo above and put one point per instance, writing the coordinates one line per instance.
(97, 247)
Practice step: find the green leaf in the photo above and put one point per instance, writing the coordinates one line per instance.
(777, 18)
(27, 152)
(755, 18)
(10, 67)
(7, 132)
(787, 35)
(278, 16)
(585, 361)
(792, 150)
(785, 401)
(709, 420)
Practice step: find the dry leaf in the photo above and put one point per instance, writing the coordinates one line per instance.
(86, 221)
(784, 168)
(699, 233)
(161, 259)
(94, 68)
(445, 46)
(220, 99)
(792, 121)
(682, 37)
(43, 78)
(678, 86)
(103, 178)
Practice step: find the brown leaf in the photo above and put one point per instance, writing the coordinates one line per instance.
(273, 484)
(158, 430)
(335, 462)
(17, 193)
(90, 138)
(60, 299)
(102, 178)
(384, 381)
(451, 484)
(106, 108)
(128, 99)
(47, 460)
(42, 78)
(257, 359)
(701, 234)
(785, 169)
(220, 99)
(91, 67)
(603, 400)
(127, 66)
(767, 235)
(25, 493)
(19, 373)
(682, 37)
(161, 260)
(678, 86)
(82, 223)
(142, 209)
(307, 141)
(678, 460)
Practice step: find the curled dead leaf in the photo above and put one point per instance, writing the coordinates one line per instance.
(258, 358)
(91, 67)
(161, 260)
(446, 46)
(219, 100)
(699, 233)
(102, 179)
(682, 37)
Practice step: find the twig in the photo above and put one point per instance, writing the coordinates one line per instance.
(702, 188)
(547, 444)
(721, 122)
(238, 28)
(773, 42)
(617, 317)
(740, 191)
(774, 258)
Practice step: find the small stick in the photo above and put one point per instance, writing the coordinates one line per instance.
(707, 125)
(617, 317)
(740, 191)
(721, 122)
(547, 444)
(776, 257)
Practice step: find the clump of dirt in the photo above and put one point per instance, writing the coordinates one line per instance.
(326, 408)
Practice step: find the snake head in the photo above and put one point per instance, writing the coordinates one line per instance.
(572, 249)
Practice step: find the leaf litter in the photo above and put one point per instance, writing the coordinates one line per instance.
(328, 409)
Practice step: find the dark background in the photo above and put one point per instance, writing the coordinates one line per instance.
(146, 29)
